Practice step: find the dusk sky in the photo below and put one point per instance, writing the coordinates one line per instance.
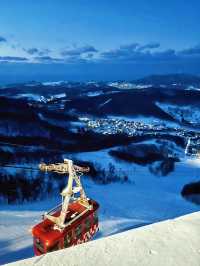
(90, 39)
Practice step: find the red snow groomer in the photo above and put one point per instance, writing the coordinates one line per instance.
(74, 221)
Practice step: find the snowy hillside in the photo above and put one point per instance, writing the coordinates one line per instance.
(185, 113)
(172, 242)
(122, 205)
(132, 136)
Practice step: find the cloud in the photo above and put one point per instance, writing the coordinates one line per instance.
(89, 55)
(132, 53)
(124, 51)
(79, 51)
(129, 47)
(32, 51)
(149, 46)
(69, 60)
(43, 52)
(36, 51)
(48, 59)
(165, 55)
(2, 39)
(139, 53)
(13, 59)
(191, 51)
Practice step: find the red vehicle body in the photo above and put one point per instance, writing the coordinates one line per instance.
(81, 226)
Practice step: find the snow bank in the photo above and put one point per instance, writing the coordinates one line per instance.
(173, 242)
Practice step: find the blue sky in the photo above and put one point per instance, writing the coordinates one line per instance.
(90, 39)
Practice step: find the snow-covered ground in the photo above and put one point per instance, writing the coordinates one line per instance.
(193, 88)
(186, 112)
(54, 83)
(168, 243)
(40, 98)
(94, 93)
(128, 85)
(30, 96)
(144, 200)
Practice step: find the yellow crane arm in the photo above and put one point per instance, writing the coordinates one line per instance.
(66, 168)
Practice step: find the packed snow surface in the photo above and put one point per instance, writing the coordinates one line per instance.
(169, 243)
(145, 199)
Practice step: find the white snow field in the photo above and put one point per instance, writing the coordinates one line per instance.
(144, 200)
(169, 243)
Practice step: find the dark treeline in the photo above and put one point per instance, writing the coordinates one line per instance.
(160, 158)
(18, 185)
(24, 186)
(29, 156)
(191, 192)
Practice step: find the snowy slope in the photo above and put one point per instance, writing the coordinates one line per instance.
(187, 112)
(169, 243)
(144, 200)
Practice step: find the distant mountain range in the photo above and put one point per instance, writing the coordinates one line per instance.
(153, 80)
(178, 79)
